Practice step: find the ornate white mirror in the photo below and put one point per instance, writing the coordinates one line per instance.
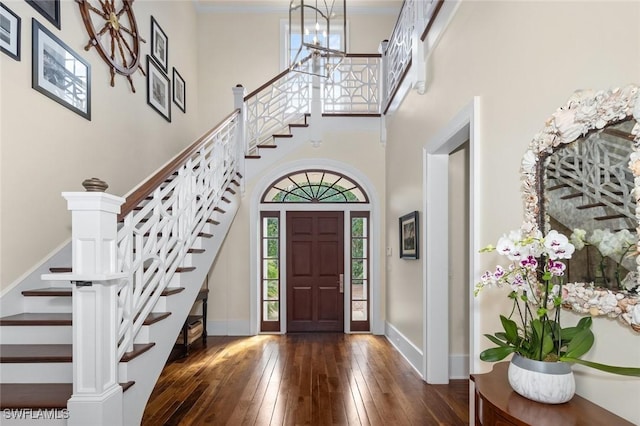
(581, 177)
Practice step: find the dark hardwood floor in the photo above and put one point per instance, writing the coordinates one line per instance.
(298, 379)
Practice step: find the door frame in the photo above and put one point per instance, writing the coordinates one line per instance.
(375, 232)
(463, 127)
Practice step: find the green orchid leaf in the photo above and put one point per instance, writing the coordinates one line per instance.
(496, 354)
(585, 322)
(502, 336)
(510, 328)
(580, 344)
(623, 371)
(495, 339)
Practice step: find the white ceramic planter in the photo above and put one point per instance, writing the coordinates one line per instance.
(547, 382)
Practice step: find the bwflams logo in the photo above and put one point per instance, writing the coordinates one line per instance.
(35, 414)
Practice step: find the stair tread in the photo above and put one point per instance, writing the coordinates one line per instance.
(35, 395)
(39, 395)
(35, 353)
(67, 291)
(154, 317)
(28, 318)
(32, 353)
(48, 291)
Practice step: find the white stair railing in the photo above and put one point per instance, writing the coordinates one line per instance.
(352, 89)
(126, 252)
(155, 237)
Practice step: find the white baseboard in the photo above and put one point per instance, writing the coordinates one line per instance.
(229, 328)
(458, 366)
(458, 363)
(408, 350)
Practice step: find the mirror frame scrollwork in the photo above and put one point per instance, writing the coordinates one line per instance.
(585, 111)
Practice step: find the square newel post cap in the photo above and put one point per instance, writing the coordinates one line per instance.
(93, 201)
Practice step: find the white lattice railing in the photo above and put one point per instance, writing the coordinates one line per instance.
(272, 107)
(399, 49)
(157, 234)
(354, 86)
(599, 172)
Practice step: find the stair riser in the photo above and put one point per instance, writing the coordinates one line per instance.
(52, 304)
(40, 334)
(48, 372)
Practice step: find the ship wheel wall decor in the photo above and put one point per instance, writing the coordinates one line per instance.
(113, 31)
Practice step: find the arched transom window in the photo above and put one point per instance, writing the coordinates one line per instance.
(315, 186)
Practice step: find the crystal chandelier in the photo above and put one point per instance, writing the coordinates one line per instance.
(317, 35)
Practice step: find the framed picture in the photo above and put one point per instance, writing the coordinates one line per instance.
(158, 89)
(159, 45)
(179, 91)
(9, 32)
(50, 9)
(409, 236)
(60, 73)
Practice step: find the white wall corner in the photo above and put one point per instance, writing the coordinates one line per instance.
(408, 350)
(459, 366)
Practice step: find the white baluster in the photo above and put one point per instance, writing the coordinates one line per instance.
(240, 139)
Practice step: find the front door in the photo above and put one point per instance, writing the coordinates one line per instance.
(315, 262)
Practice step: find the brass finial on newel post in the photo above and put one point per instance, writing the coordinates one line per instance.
(95, 185)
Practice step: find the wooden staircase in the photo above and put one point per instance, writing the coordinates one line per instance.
(36, 344)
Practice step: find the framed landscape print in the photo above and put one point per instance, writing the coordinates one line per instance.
(60, 73)
(179, 91)
(159, 45)
(409, 236)
(158, 89)
(50, 9)
(9, 32)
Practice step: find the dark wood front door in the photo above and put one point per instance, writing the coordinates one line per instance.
(315, 260)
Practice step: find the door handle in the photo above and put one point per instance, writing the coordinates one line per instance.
(341, 281)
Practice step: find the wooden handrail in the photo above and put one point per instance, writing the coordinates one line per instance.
(148, 186)
(432, 19)
(395, 90)
(267, 84)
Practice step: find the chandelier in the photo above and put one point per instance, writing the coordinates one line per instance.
(317, 35)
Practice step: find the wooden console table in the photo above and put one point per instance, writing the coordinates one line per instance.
(496, 404)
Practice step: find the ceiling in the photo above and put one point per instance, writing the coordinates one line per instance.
(247, 6)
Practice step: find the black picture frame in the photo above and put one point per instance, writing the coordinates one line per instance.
(55, 80)
(50, 9)
(179, 91)
(158, 89)
(159, 45)
(10, 37)
(409, 236)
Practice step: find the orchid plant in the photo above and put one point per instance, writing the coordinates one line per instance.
(535, 279)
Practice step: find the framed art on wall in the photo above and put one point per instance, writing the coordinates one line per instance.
(60, 73)
(409, 243)
(158, 89)
(50, 9)
(159, 45)
(9, 32)
(179, 91)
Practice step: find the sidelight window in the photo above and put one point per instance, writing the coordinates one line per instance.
(270, 264)
(360, 271)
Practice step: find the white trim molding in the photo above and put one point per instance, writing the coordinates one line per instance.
(377, 325)
(463, 127)
(408, 350)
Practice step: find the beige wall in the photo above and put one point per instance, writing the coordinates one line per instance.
(229, 278)
(524, 59)
(47, 149)
(222, 38)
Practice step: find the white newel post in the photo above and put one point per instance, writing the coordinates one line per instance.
(241, 143)
(97, 395)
